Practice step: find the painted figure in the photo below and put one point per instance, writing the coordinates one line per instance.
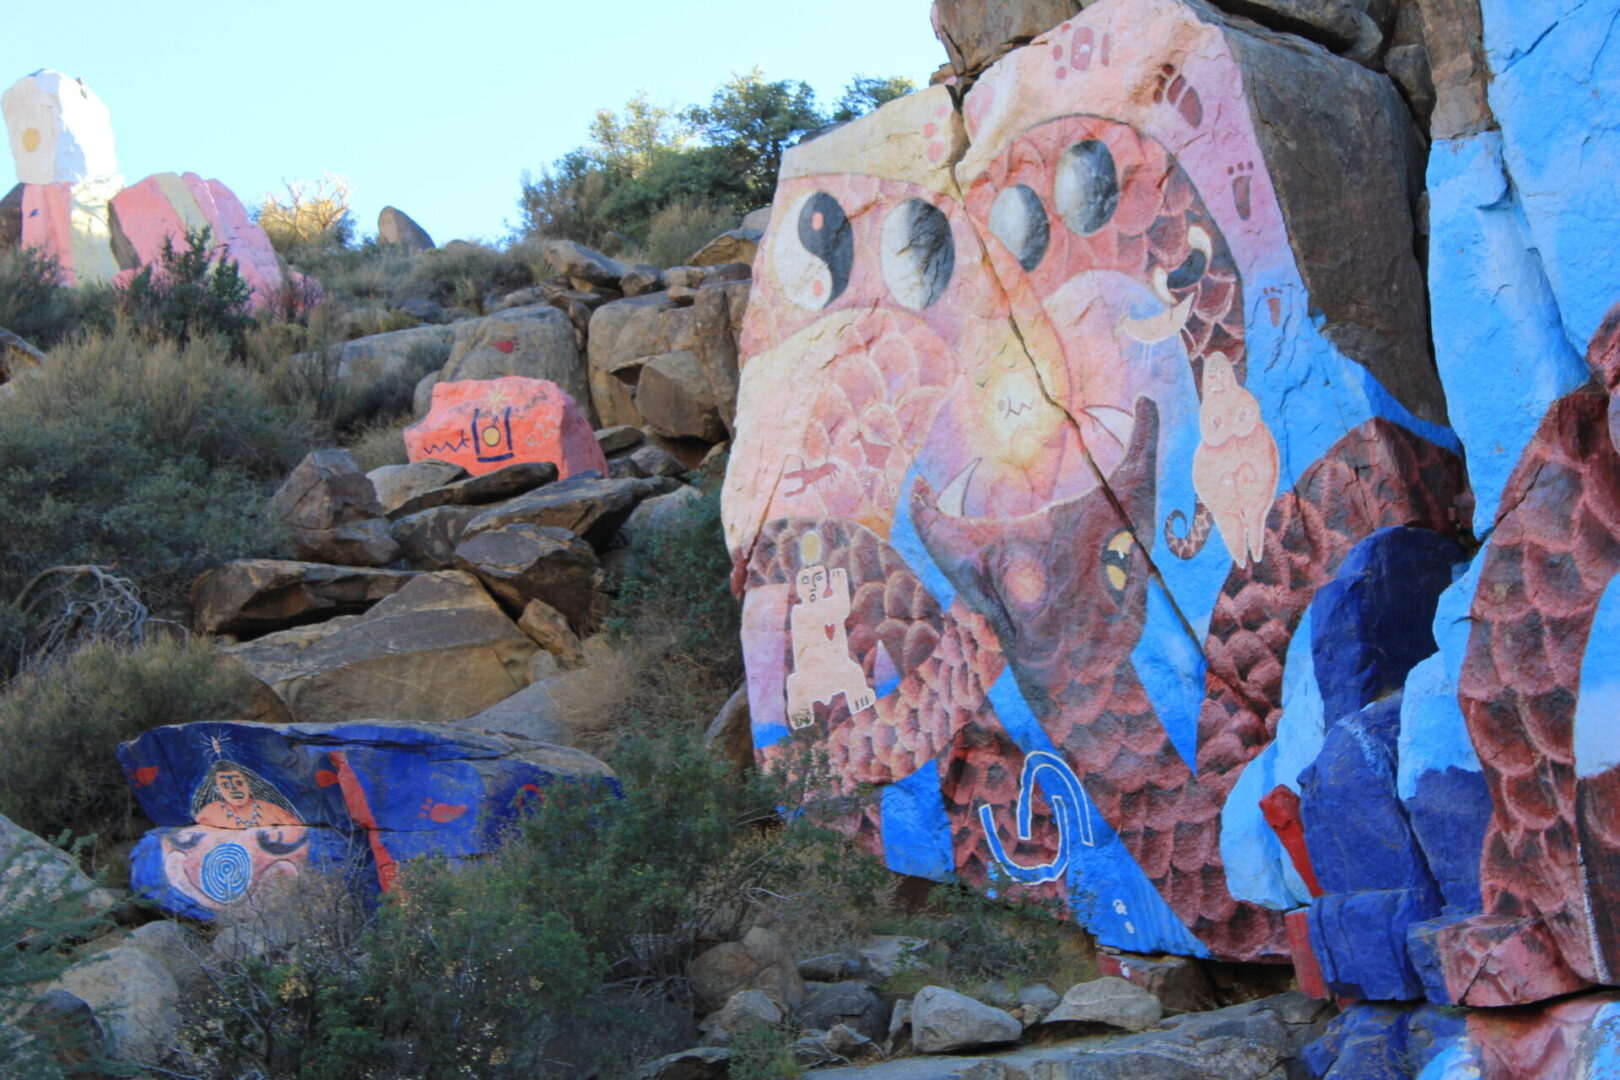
(822, 668)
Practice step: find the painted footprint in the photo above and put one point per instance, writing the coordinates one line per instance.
(1273, 297)
(1086, 46)
(1175, 91)
(1242, 175)
(440, 813)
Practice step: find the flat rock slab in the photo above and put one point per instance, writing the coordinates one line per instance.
(242, 807)
(590, 507)
(487, 424)
(523, 562)
(1109, 1002)
(438, 649)
(398, 484)
(943, 1020)
(503, 483)
(427, 539)
(249, 597)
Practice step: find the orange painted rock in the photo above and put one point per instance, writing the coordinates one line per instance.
(487, 424)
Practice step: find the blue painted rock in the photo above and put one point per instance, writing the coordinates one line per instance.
(1360, 941)
(241, 808)
(1370, 624)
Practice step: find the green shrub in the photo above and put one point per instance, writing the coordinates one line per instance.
(463, 274)
(677, 231)
(380, 442)
(190, 292)
(146, 457)
(33, 300)
(763, 1052)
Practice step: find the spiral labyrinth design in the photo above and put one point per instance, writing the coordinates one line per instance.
(227, 871)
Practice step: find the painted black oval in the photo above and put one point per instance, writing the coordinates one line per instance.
(831, 240)
(1018, 220)
(1191, 269)
(1086, 189)
(928, 250)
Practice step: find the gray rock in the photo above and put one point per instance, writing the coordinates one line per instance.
(1037, 1000)
(33, 871)
(364, 362)
(743, 1010)
(621, 437)
(422, 309)
(588, 506)
(1329, 22)
(396, 227)
(178, 948)
(731, 246)
(655, 461)
(641, 279)
(249, 597)
(853, 1004)
(536, 342)
(135, 999)
(1220, 1057)
(398, 484)
(422, 396)
(531, 713)
(63, 1030)
(522, 562)
(700, 1063)
(427, 539)
(943, 1020)
(758, 220)
(827, 968)
(330, 508)
(578, 261)
(976, 32)
(1108, 1002)
(1179, 982)
(886, 956)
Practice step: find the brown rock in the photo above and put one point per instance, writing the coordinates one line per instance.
(578, 261)
(480, 490)
(398, 484)
(620, 437)
(1408, 65)
(655, 461)
(716, 344)
(549, 629)
(16, 355)
(248, 597)
(355, 543)
(624, 333)
(732, 246)
(675, 398)
(437, 650)
(522, 562)
(396, 227)
(325, 490)
(641, 279)
(1454, 37)
(976, 32)
(762, 960)
(536, 342)
(586, 506)
(730, 734)
(427, 539)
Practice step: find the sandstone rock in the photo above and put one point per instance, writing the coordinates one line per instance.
(855, 1005)
(1454, 40)
(1178, 982)
(248, 597)
(135, 999)
(427, 539)
(674, 397)
(578, 261)
(421, 308)
(397, 485)
(758, 220)
(535, 342)
(641, 279)
(504, 483)
(744, 1009)
(614, 439)
(487, 425)
(943, 1020)
(61, 132)
(621, 335)
(732, 246)
(162, 207)
(16, 356)
(886, 956)
(550, 630)
(367, 361)
(731, 737)
(531, 713)
(1108, 1002)
(522, 562)
(438, 649)
(760, 961)
(1408, 65)
(586, 506)
(652, 461)
(976, 32)
(395, 226)
(330, 509)
(290, 800)
(33, 871)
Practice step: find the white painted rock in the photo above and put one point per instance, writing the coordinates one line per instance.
(60, 131)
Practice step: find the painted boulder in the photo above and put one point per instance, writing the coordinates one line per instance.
(165, 206)
(246, 809)
(1054, 415)
(487, 424)
(61, 132)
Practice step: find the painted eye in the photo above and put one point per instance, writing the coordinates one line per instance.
(1018, 220)
(1197, 261)
(1116, 560)
(278, 847)
(1086, 187)
(814, 252)
(918, 253)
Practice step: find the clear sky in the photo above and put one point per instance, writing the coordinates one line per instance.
(435, 108)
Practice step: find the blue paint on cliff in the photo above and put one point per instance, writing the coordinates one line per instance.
(916, 830)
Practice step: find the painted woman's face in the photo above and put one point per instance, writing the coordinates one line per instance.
(232, 787)
(221, 867)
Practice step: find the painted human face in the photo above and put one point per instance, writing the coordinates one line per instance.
(222, 867)
(232, 787)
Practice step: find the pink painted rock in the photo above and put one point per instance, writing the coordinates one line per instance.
(487, 424)
(70, 223)
(165, 206)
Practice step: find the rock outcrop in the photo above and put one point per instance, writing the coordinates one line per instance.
(484, 425)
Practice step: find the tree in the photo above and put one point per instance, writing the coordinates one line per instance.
(753, 121)
(308, 211)
(628, 144)
(866, 92)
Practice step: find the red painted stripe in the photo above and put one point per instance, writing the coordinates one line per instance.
(354, 798)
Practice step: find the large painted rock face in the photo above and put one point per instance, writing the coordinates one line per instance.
(1044, 446)
(60, 131)
(166, 206)
(487, 424)
(243, 809)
